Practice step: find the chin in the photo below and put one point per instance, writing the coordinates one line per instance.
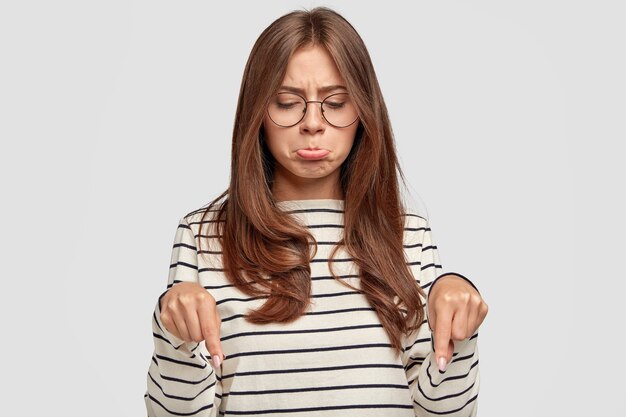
(311, 175)
(314, 172)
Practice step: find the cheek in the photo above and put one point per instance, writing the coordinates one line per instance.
(270, 136)
(271, 145)
(348, 143)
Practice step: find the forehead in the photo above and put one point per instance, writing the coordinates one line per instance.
(311, 67)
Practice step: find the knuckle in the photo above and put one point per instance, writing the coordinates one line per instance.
(456, 298)
(205, 298)
(186, 298)
(458, 334)
(458, 295)
(448, 297)
(206, 330)
(209, 299)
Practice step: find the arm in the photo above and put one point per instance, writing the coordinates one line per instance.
(453, 392)
(181, 380)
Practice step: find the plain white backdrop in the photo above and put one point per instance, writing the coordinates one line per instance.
(116, 119)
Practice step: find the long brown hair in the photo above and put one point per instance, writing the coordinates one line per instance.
(266, 252)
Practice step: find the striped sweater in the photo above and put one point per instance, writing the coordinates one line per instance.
(334, 361)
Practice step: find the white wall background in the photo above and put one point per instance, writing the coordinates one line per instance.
(116, 119)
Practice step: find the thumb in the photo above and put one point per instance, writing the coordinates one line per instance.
(442, 342)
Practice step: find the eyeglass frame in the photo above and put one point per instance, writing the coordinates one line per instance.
(306, 108)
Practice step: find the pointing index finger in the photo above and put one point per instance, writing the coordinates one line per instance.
(210, 325)
(443, 330)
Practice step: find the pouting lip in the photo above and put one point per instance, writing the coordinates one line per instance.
(312, 154)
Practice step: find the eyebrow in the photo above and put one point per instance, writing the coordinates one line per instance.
(321, 89)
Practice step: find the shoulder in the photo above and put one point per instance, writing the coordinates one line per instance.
(415, 225)
(414, 221)
(207, 213)
(203, 216)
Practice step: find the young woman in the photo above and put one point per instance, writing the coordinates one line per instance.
(307, 288)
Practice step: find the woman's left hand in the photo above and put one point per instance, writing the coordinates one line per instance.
(455, 311)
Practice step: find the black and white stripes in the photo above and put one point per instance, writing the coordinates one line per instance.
(336, 360)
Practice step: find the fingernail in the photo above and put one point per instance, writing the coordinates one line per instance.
(442, 364)
(216, 361)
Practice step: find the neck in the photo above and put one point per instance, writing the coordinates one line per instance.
(290, 187)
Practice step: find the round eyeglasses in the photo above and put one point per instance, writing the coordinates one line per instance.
(288, 109)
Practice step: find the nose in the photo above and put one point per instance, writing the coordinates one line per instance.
(313, 120)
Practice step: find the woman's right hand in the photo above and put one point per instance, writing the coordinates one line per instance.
(189, 312)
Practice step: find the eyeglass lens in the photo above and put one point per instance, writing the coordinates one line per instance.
(287, 109)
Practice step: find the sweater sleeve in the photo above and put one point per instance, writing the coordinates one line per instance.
(453, 392)
(181, 379)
